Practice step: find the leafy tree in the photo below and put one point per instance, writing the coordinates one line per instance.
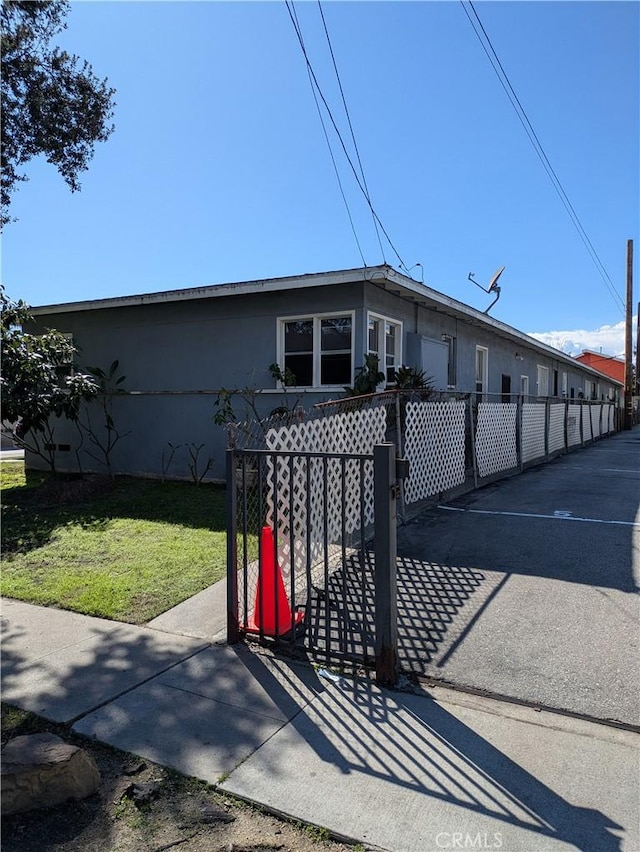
(52, 103)
(103, 436)
(38, 382)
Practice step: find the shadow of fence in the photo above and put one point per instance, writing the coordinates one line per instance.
(437, 605)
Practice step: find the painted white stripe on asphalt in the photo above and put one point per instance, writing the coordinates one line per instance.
(607, 469)
(533, 515)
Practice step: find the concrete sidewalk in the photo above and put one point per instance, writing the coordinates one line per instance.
(397, 771)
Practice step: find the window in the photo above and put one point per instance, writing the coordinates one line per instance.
(543, 380)
(564, 383)
(318, 350)
(451, 368)
(384, 339)
(524, 385)
(482, 366)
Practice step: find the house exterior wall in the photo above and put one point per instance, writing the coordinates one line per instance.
(505, 357)
(200, 344)
(177, 355)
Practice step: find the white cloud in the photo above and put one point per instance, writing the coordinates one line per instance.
(608, 338)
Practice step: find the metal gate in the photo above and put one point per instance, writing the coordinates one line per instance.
(304, 569)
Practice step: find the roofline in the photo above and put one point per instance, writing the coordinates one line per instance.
(384, 274)
(497, 325)
(619, 358)
(210, 291)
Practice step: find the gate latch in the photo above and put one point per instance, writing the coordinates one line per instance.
(402, 468)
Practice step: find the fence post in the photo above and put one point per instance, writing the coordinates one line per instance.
(386, 588)
(400, 450)
(233, 633)
(547, 427)
(519, 416)
(472, 437)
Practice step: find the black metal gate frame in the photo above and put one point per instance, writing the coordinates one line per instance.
(248, 468)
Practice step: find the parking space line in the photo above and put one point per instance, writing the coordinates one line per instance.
(534, 515)
(605, 469)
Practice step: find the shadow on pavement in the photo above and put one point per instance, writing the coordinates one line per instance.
(411, 742)
(437, 606)
(221, 710)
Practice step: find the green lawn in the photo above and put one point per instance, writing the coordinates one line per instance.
(129, 553)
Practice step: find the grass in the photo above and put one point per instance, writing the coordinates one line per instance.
(128, 553)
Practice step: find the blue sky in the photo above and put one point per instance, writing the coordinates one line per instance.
(218, 169)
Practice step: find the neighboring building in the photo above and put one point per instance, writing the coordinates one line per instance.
(177, 349)
(609, 365)
(7, 441)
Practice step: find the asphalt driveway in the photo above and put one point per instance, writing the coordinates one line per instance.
(528, 588)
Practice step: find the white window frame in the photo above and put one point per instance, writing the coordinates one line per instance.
(564, 384)
(524, 386)
(382, 356)
(316, 356)
(542, 380)
(485, 371)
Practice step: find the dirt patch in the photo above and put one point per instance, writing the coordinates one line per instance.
(67, 490)
(142, 807)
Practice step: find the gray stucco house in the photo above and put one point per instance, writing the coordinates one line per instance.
(177, 349)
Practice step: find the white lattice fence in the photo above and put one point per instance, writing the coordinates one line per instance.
(596, 413)
(434, 445)
(612, 418)
(306, 507)
(496, 437)
(573, 425)
(556, 427)
(587, 434)
(533, 428)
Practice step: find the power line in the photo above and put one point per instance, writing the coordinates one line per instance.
(353, 137)
(539, 149)
(326, 136)
(289, 4)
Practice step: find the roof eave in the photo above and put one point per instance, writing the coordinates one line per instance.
(383, 274)
(266, 285)
(484, 319)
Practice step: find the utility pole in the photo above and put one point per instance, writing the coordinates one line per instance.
(638, 350)
(628, 347)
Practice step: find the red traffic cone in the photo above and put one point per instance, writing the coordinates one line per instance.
(272, 612)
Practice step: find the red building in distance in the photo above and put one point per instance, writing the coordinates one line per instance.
(610, 365)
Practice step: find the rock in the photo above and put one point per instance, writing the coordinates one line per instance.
(41, 770)
(141, 794)
(136, 769)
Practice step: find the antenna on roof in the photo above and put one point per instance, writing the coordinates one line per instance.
(408, 271)
(492, 288)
